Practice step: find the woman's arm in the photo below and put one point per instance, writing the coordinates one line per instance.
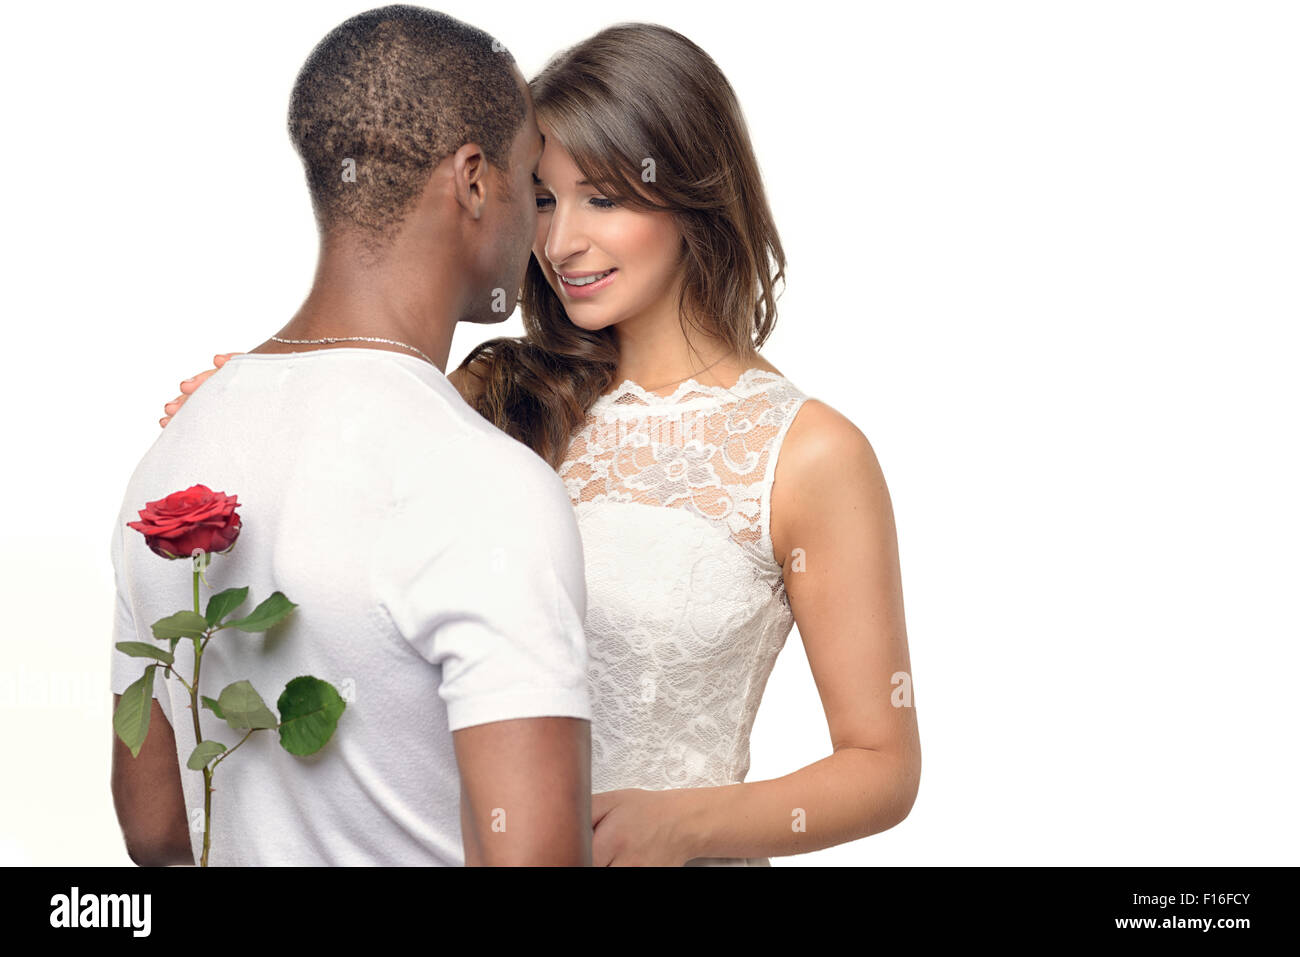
(189, 385)
(833, 520)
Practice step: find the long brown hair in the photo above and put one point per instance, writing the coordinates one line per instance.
(653, 124)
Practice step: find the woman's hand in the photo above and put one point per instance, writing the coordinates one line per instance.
(635, 827)
(189, 385)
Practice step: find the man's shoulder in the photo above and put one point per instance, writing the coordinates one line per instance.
(486, 492)
(491, 464)
(470, 456)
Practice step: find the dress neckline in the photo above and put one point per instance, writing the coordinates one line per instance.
(745, 385)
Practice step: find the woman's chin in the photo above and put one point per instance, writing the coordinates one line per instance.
(589, 320)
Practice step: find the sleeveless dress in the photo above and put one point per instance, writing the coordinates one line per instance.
(686, 605)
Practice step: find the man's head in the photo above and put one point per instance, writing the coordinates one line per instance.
(391, 96)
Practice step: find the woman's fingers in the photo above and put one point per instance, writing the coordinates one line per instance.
(189, 385)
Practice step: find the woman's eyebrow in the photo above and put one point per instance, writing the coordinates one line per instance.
(539, 182)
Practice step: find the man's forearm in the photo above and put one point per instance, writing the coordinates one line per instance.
(161, 848)
(156, 831)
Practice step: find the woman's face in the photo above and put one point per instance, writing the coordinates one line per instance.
(580, 234)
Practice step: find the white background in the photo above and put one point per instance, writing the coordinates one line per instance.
(1043, 254)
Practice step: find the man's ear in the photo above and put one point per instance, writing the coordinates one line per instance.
(470, 173)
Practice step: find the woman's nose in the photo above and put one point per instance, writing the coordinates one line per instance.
(563, 241)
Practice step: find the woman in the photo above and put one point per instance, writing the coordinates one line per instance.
(718, 504)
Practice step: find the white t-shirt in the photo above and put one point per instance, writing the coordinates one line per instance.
(438, 571)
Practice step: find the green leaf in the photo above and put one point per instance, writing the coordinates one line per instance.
(142, 649)
(265, 615)
(205, 752)
(243, 707)
(212, 706)
(223, 603)
(131, 719)
(309, 712)
(183, 624)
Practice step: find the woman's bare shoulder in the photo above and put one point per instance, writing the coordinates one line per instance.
(820, 435)
(825, 462)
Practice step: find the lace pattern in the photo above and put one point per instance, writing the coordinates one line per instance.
(704, 448)
(686, 605)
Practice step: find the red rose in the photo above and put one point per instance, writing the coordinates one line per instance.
(195, 519)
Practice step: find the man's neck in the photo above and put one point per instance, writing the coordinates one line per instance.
(381, 301)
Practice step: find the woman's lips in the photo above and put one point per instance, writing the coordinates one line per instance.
(582, 292)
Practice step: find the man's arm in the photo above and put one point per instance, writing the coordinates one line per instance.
(490, 590)
(526, 792)
(148, 797)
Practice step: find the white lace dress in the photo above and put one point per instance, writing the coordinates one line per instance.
(686, 604)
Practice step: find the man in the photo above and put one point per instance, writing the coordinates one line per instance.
(436, 562)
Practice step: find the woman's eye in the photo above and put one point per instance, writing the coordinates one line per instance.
(548, 202)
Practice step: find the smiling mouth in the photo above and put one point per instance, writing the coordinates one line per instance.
(586, 280)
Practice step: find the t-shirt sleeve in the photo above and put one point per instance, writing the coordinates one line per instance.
(488, 583)
(124, 669)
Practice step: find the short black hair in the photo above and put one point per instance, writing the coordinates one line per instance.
(396, 90)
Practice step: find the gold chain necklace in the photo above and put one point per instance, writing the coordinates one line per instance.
(688, 375)
(355, 339)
